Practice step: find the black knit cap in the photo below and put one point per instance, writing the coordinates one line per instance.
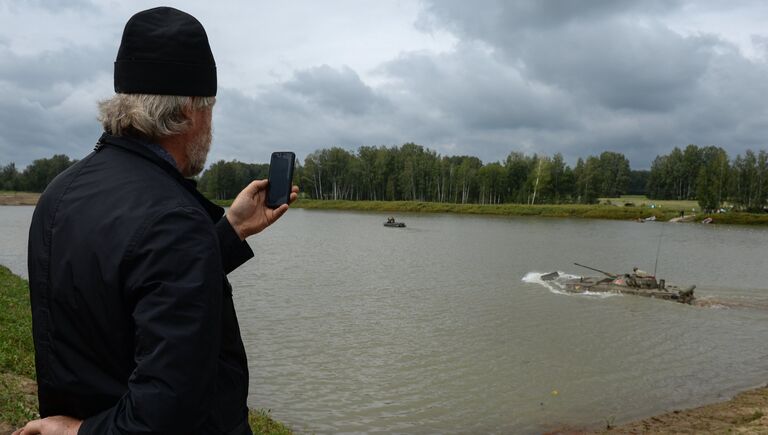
(165, 51)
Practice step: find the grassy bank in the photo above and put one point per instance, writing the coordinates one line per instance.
(18, 391)
(643, 201)
(18, 394)
(596, 211)
(608, 208)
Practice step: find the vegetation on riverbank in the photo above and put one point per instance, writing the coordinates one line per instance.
(18, 397)
(411, 172)
(609, 208)
(554, 210)
(18, 390)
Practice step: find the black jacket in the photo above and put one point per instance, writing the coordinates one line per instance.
(133, 321)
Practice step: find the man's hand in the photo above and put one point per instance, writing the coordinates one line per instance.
(58, 425)
(249, 213)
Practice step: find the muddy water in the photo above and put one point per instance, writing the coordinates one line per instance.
(354, 327)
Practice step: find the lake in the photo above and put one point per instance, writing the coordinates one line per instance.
(442, 326)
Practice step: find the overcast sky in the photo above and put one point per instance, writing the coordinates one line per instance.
(481, 78)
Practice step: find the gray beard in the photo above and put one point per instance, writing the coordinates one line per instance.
(197, 152)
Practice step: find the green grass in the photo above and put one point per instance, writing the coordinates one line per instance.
(667, 211)
(18, 400)
(262, 423)
(17, 353)
(555, 210)
(643, 201)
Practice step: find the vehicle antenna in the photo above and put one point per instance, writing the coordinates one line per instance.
(658, 249)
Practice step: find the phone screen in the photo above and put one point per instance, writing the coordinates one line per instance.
(280, 177)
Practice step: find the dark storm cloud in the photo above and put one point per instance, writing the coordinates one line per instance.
(501, 20)
(48, 102)
(577, 77)
(318, 108)
(640, 68)
(31, 130)
(609, 75)
(333, 89)
(472, 88)
(594, 49)
(41, 71)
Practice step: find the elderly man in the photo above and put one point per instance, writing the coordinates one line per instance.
(134, 326)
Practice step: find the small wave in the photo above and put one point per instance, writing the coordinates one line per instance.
(719, 303)
(557, 285)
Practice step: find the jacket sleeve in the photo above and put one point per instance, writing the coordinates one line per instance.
(173, 278)
(234, 252)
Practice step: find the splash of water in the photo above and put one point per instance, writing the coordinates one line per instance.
(557, 285)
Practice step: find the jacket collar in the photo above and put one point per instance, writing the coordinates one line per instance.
(135, 146)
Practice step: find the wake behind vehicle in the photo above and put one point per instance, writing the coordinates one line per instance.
(638, 284)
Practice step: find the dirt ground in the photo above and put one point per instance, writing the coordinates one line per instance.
(746, 413)
(18, 198)
(18, 401)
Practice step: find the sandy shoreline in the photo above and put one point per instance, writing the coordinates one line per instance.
(18, 198)
(745, 413)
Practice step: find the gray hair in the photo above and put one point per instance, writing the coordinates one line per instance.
(152, 116)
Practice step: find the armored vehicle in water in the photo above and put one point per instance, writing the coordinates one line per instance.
(392, 223)
(638, 284)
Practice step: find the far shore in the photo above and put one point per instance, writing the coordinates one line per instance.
(586, 211)
(19, 198)
(641, 213)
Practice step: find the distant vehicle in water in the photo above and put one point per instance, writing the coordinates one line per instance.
(392, 223)
(638, 284)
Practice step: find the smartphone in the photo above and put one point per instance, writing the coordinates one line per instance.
(280, 178)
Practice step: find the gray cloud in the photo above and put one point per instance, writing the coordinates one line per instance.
(503, 22)
(640, 68)
(761, 43)
(54, 5)
(576, 77)
(31, 130)
(42, 71)
(472, 88)
(333, 89)
(48, 105)
(616, 77)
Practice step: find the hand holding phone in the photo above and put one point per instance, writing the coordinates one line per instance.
(280, 178)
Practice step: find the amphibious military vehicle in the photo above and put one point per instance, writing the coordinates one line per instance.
(638, 284)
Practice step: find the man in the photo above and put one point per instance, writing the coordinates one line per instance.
(134, 326)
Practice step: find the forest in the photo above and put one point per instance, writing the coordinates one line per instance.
(411, 172)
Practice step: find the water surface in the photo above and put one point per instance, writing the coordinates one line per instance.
(354, 327)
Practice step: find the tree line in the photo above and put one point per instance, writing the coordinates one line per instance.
(36, 176)
(706, 174)
(411, 172)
